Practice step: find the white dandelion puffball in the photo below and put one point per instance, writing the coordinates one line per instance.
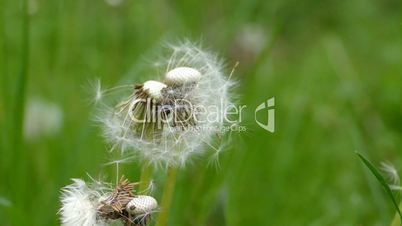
(79, 204)
(164, 124)
(42, 119)
(142, 204)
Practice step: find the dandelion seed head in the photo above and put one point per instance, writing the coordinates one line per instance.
(98, 204)
(192, 106)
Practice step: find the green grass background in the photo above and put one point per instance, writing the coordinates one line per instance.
(334, 68)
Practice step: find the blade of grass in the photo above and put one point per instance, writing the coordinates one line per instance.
(4, 81)
(22, 79)
(18, 120)
(382, 181)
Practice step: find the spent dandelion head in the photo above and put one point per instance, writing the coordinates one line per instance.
(166, 122)
(98, 204)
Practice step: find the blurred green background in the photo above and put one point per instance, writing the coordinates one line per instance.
(334, 68)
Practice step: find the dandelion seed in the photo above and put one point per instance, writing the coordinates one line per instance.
(395, 187)
(150, 189)
(98, 91)
(390, 172)
(249, 41)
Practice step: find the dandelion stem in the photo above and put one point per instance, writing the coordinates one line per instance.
(146, 177)
(167, 197)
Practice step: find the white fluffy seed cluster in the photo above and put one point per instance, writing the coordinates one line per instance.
(193, 75)
(79, 204)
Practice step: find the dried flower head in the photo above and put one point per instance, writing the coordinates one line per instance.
(97, 204)
(114, 206)
(164, 123)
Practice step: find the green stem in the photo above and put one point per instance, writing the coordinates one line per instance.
(167, 197)
(146, 177)
(397, 220)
